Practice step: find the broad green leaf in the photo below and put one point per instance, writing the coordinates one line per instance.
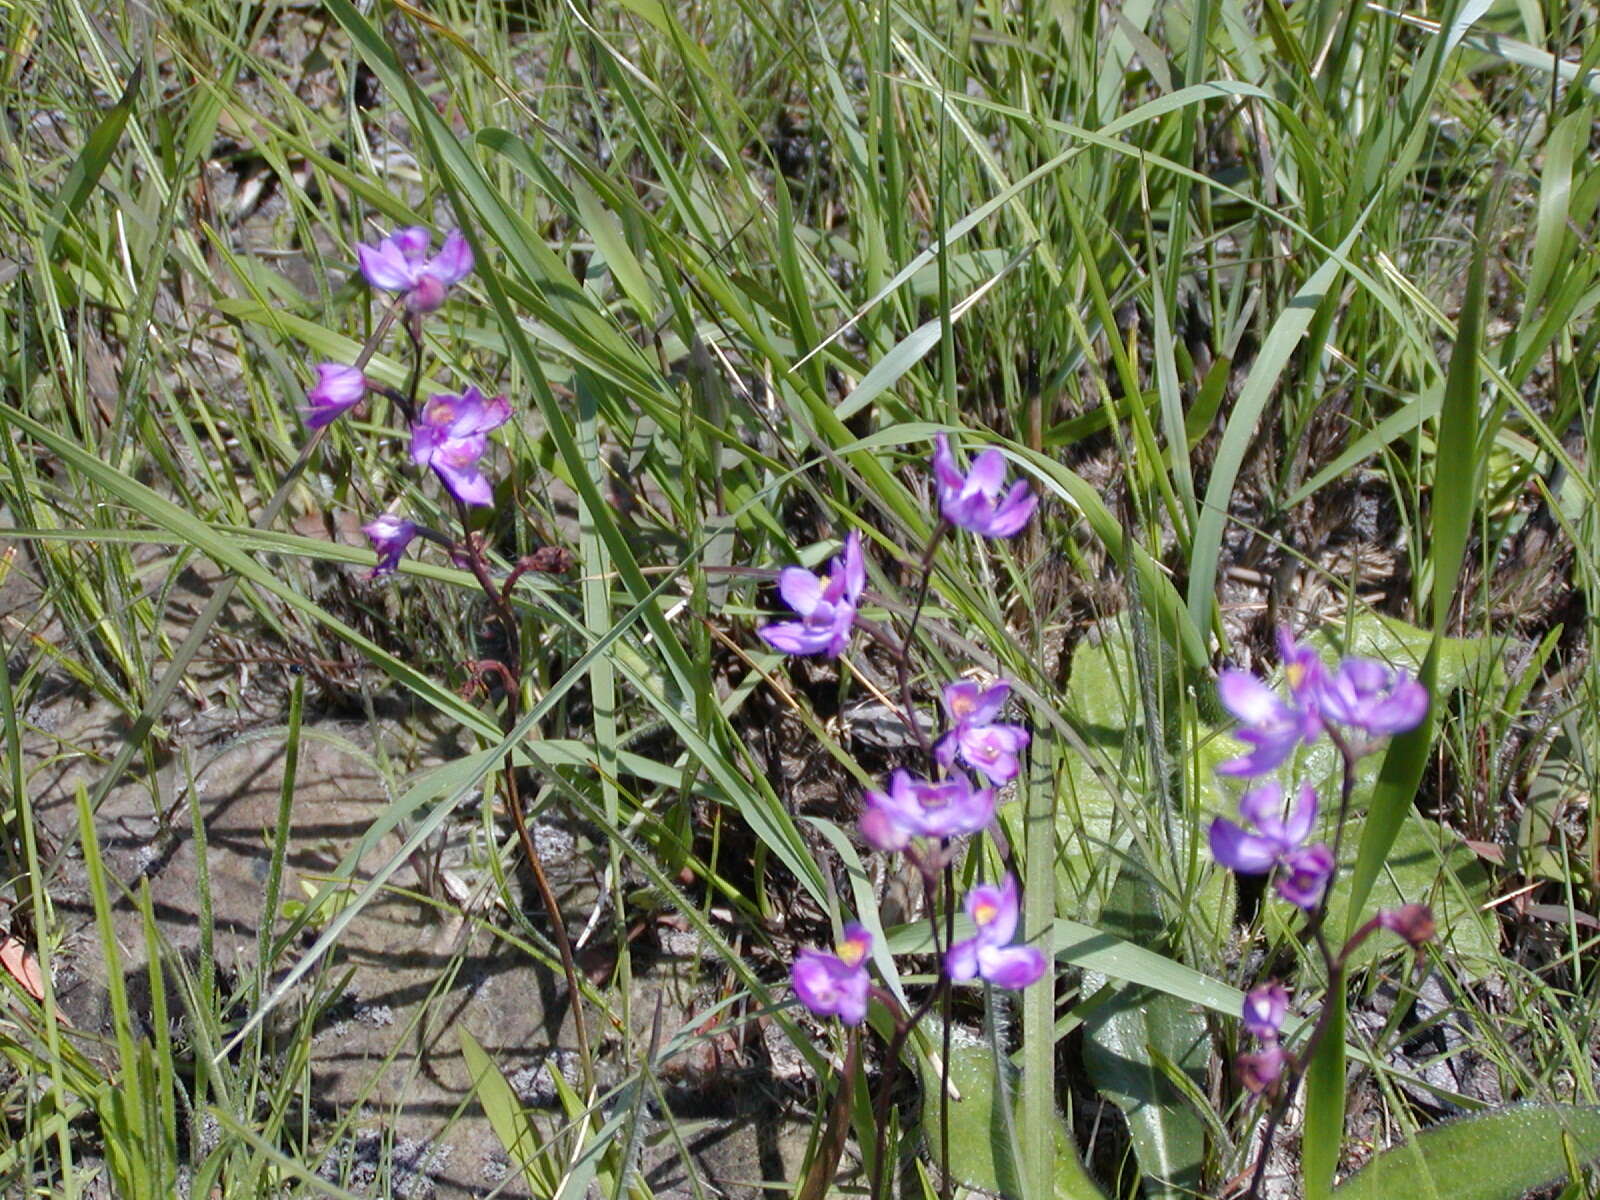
(979, 1129)
(1458, 466)
(1128, 1038)
(1427, 864)
(1095, 950)
(1498, 1155)
(1104, 707)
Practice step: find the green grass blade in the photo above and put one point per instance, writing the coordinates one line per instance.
(1259, 387)
(1323, 1140)
(91, 163)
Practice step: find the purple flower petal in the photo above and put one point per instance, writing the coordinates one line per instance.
(992, 750)
(426, 295)
(390, 535)
(880, 830)
(455, 461)
(453, 263)
(800, 589)
(961, 961)
(474, 414)
(796, 637)
(1013, 967)
(990, 702)
(1371, 697)
(1250, 700)
(827, 605)
(961, 700)
(856, 944)
(1259, 1072)
(1264, 1009)
(399, 263)
(1305, 876)
(951, 808)
(1240, 851)
(829, 986)
(411, 242)
(972, 501)
(853, 1002)
(987, 473)
(425, 439)
(337, 390)
(993, 910)
(1404, 710)
(1270, 751)
(1263, 806)
(385, 267)
(1302, 668)
(945, 470)
(1304, 817)
(852, 568)
(1013, 513)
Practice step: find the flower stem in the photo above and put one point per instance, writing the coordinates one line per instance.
(1334, 965)
(471, 551)
(903, 659)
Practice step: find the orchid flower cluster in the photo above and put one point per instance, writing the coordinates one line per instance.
(449, 433)
(1357, 704)
(918, 816)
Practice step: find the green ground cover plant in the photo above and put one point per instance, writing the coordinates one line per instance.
(837, 597)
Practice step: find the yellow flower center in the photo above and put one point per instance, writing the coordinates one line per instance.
(1295, 673)
(851, 952)
(985, 913)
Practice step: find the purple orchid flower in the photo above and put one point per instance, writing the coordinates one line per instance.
(1264, 1009)
(1270, 724)
(1305, 876)
(449, 436)
(988, 748)
(989, 953)
(1358, 694)
(835, 985)
(1278, 841)
(973, 501)
(400, 263)
(338, 388)
(1373, 698)
(826, 606)
(1259, 1072)
(390, 536)
(1275, 837)
(913, 807)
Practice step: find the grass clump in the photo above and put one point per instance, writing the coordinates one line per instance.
(1282, 313)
